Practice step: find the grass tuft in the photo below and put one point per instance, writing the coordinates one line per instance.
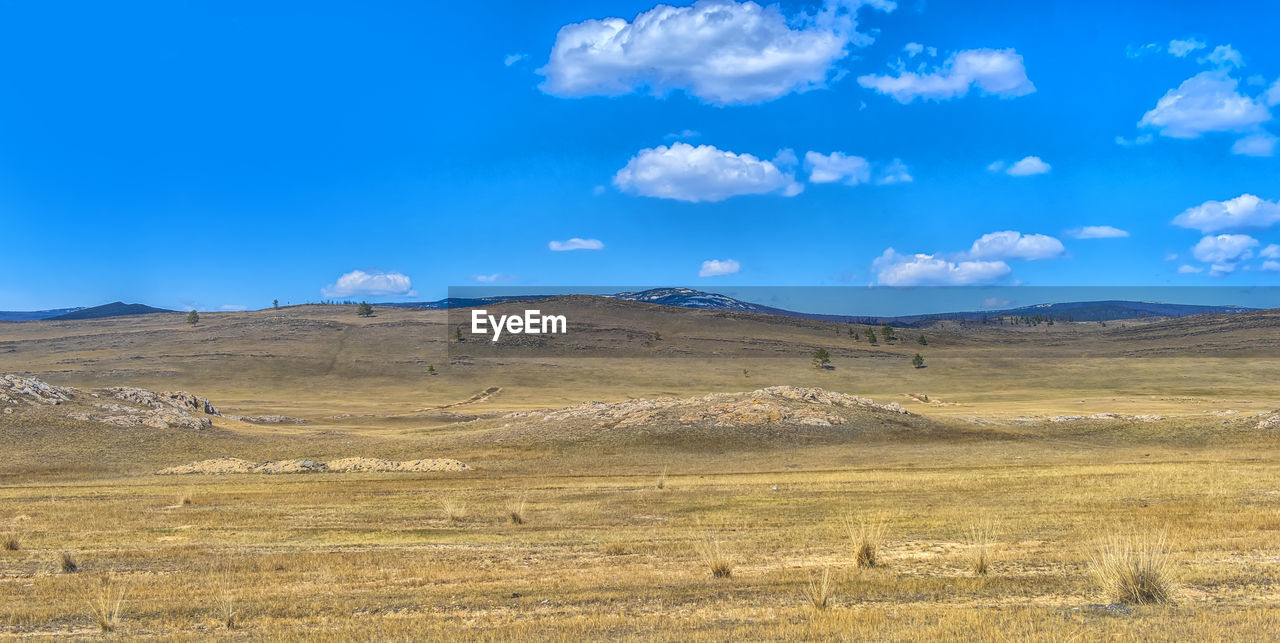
(10, 542)
(662, 480)
(454, 511)
(867, 538)
(67, 564)
(105, 599)
(819, 589)
(1134, 568)
(714, 557)
(516, 510)
(980, 549)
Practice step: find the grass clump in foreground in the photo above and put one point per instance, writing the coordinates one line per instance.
(867, 538)
(10, 542)
(714, 557)
(105, 599)
(1134, 568)
(454, 511)
(980, 549)
(516, 510)
(819, 589)
(67, 564)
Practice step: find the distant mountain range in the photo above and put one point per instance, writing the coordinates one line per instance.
(113, 309)
(689, 298)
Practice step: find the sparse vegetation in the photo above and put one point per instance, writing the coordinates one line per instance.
(1134, 568)
(918, 361)
(454, 510)
(867, 537)
(10, 542)
(886, 332)
(662, 479)
(365, 309)
(193, 317)
(921, 340)
(979, 541)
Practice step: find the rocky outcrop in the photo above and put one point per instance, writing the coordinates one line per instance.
(180, 400)
(266, 419)
(16, 389)
(775, 404)
(133, 407)
(343, 465)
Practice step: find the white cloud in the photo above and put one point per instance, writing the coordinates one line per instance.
(1258, 144)
(376, 284)
(1028, 166)
(1220, 269)
(512, 59)
(997, 72)
(1224, 56)
(1010, 244)
(1206, 102)
(893, 269)
(576, 244)
(913, 49)
(715, 268)
(492, 278)
(682, 134)
(1137, 51)
(1186, 269)
(1270, 252)
(1272, 96)
(837, 166)
(1171, 256)
(704, 173)
(1224, 249)
(233, 307)
(1097, 232)
(1271, 266)
(895, 172)
(720, 51)
(1181, 48)
(1244, 211)
(1135, 141)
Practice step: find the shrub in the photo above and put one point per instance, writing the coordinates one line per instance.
(67, 564)
(10, 542)
(662, 480)
(918, 361)
(821, 358)
(105, 598)
(980, 549)
(515, 511)
(454, 511)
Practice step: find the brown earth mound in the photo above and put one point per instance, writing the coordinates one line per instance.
(343, 465)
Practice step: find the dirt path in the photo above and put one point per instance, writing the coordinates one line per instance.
(478, 397)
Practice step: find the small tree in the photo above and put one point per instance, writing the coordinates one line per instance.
(886, 332)
(821, 358)
(918, 361)
(657, 337)
(457, 333)
(921, 340)
(431, 369)
(365, 310)
(275, 303)
(193, 317)
(871, 335)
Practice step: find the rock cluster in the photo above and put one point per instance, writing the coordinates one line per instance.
(343, 465)
(775, 404)
(16, 389)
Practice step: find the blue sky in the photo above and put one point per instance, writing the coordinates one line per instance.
(221, 155)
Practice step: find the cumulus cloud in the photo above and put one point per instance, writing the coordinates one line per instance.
(1206, 102)
(720, 51)
(996, 72)
(1272, 96)
(1224, 249)
(1027, 166)
(1270, 252)
(492, 278)
(576, 244)
(703, 173)
(1097, 232)
(1186, 269)
(1010, 244)
(1271, 266)
(1181, 48)
(837, 166)
(1259, 144)
(716, 267)
(1224, 56)
(374, 284)
(1244, 211)
(893, 269)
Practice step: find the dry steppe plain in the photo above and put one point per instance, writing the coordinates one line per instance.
(1029, 444)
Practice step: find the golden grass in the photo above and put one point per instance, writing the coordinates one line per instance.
(866, 535)
(67, 563)
(455, 511)
(1134, 567)
(105, 598)
(979, 542)
(10, 542)
(819, 589)
(714, 557)
(516, 509)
